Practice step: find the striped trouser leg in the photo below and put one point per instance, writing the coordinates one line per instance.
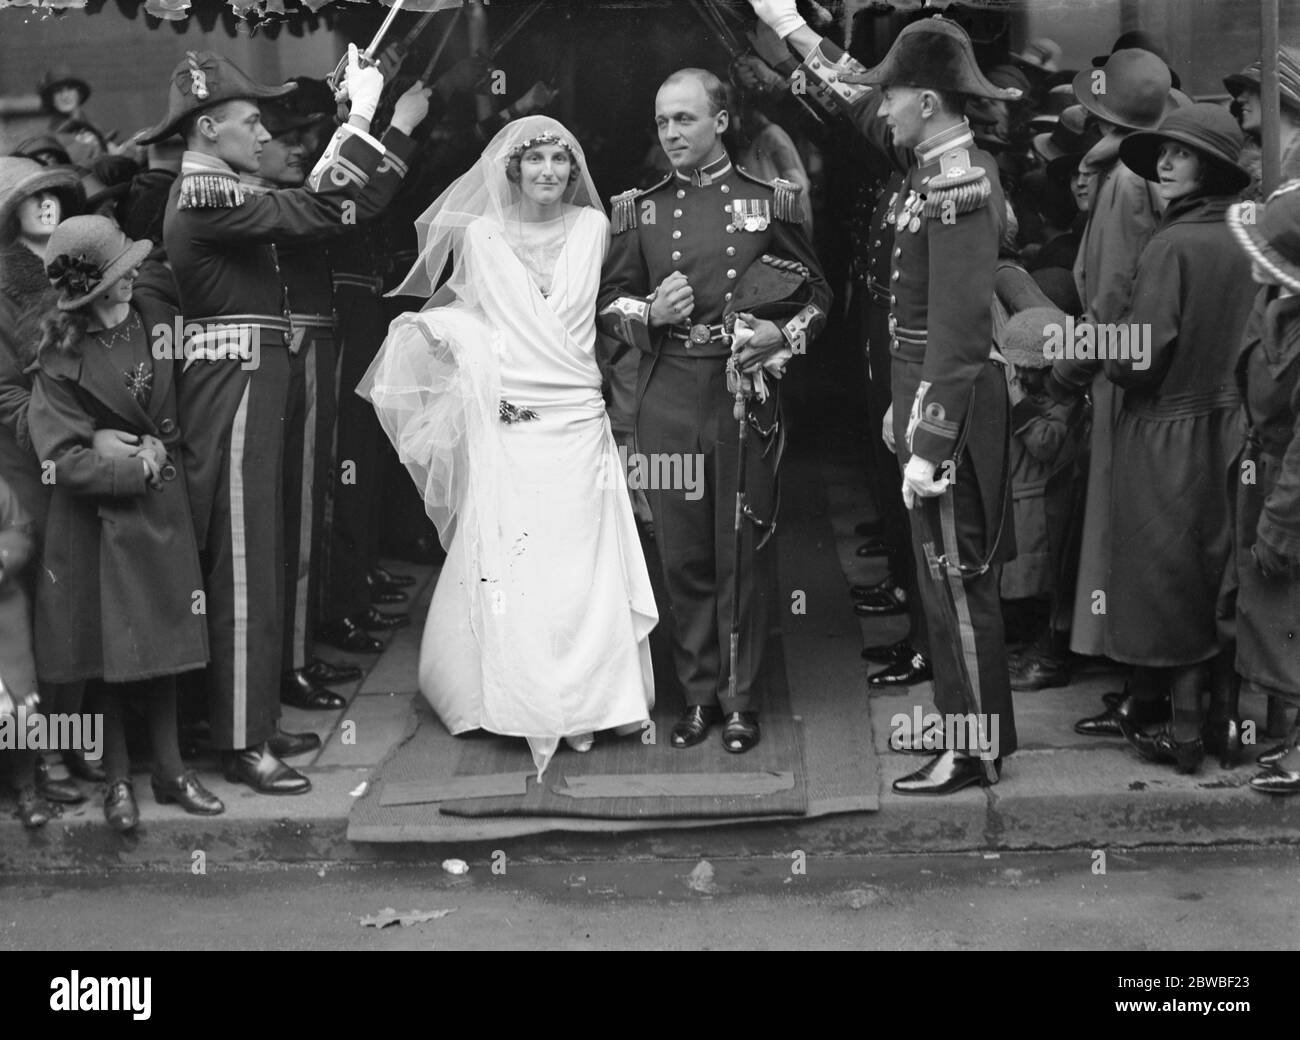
(236, 416)
(299, 484)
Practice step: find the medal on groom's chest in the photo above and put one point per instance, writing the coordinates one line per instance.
(750, 214)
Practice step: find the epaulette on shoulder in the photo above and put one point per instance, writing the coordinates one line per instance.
(785, 196)
(209, 191)
(959, 188)
(623, 207)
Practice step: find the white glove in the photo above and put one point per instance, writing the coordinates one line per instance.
(919, 482)
(887, 430)
(780, 15)
(363, 85)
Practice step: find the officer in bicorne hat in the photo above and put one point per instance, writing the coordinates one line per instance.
(236, 371)
(949, 423)
(679, 253)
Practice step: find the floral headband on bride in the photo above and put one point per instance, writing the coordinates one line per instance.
(515, 158)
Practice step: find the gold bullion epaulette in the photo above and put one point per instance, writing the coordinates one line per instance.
(209, 191)
(623, 207)
(785, 196)
(959, 187)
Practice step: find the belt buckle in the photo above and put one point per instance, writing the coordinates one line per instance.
(700, 335)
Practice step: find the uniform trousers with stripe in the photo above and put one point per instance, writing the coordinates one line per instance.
(686, 411)
(354, 502)
(308, 440)
(233, 420)
(968, 641)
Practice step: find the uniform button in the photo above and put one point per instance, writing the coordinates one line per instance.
(877, 242)
(677, 254)
(726, 297)
(725, 189)
(925, 180)
(731, 250)
(677, 234)
(896, 274)
(681, 193)
(166, 426)
(731, 273)
(898, 252)
(726, 208)
(677, 213)
(731, 229)
(893, 299)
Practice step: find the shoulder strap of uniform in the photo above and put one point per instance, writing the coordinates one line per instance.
(623, 206)
(785, 196)
(959, 187)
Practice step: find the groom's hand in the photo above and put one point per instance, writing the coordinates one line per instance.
(674, 300)
(780, 15)
(411, 108)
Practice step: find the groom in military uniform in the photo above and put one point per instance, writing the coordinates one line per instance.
(679, 251)
(949, 421)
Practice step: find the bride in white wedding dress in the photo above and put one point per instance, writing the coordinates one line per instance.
(540, 621)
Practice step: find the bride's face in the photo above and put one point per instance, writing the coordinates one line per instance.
(544, 173)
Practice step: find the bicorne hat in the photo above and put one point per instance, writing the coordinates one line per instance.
(204, 79)
(933, 53)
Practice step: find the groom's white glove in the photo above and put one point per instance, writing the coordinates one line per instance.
(781, 16)
(363, 85)
(919, 482)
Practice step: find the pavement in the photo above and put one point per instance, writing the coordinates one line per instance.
(1060, 791)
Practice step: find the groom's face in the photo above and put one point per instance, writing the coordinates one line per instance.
(688, 126)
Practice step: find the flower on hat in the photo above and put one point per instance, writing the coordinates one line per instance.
(75, 275)
(167, 10)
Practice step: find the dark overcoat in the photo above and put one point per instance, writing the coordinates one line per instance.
(1176, 434)
(119, 594)
(1268, 495)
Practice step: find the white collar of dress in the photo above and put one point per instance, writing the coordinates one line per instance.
(956, 136)
(705, 175)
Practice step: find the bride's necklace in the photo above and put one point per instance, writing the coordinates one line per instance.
(122, 331)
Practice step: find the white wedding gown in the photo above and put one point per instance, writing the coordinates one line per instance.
(540, 621)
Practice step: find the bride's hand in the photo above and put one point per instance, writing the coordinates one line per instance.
(411, 108)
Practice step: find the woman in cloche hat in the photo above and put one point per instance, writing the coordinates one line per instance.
(1176, 434)
(116, 591)
(1268, 507)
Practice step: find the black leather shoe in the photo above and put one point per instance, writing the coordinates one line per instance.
(83, 769)
(65, 792)
(286, 745)
(1141, 713)
(186, 791)
(1273, 755)
(740, 731)
(947, 772)
(873, 547)
(869, 529)
(382, 592)
(1276, 780)
(329, 674)
(694, 725)
(33, 810)
(909, 672)
(263, 772)
(1039, 673)
(297, 691)
(863, 591)
(373, 620)
(346, 634)
(120, 809)
(1160, 746)
(888, 653)
(387, 577)
(882, 603)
